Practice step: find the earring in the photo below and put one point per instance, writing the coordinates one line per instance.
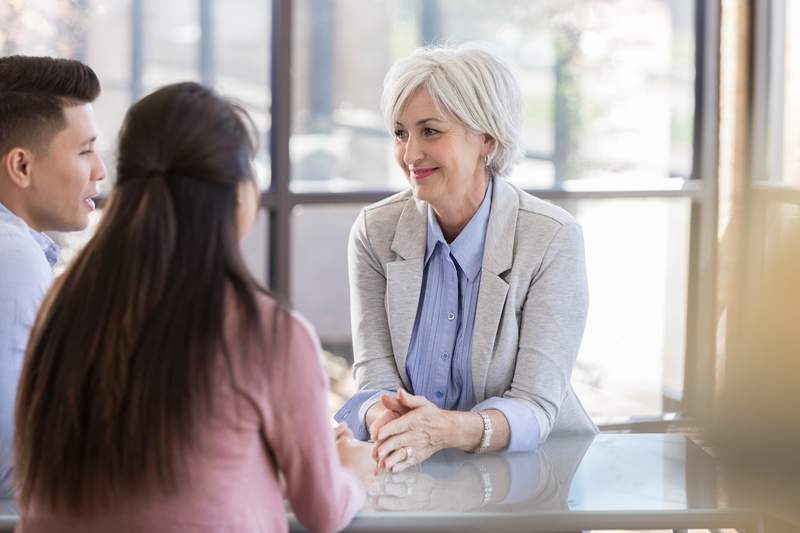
(486, 160)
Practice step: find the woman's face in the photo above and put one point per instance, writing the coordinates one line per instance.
(441, 158)
(246, 206)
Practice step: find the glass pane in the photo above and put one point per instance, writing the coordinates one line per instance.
(109, 53)
(791, 95)
(108, 40)
(241, 58)
(100, 34)
(609, 89)
(171, 42)
(255, 246)
(637, 258)
(783, 104)
(319, 287)
(43, 28)
(109, 111)
(338, 141)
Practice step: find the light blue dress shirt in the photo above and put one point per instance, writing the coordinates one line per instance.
(27, 258)
(439, 362)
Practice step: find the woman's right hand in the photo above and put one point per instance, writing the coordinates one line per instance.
(357, 456)
(381, 413)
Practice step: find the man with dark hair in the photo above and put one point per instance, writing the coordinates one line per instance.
(48, 175)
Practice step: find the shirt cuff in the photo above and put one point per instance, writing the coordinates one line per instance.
(354, 412)
(522, 422)
(528, 477)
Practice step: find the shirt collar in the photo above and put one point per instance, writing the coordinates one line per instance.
(467, 248)
(48, 246)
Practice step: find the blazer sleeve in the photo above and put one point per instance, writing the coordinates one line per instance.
(551, 328)
(374, 366)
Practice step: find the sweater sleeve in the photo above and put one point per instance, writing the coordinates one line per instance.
(323, 494)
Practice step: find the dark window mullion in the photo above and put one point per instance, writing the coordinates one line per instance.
(205, 52)
(280, 210)
(137, 48)
(700, 353)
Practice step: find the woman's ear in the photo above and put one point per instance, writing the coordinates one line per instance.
(488, 144)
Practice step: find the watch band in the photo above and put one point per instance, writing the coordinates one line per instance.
(488, 429)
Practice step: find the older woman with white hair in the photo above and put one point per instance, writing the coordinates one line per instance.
(468, 295)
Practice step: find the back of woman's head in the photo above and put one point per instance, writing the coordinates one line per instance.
(120, 363)
(186, 130)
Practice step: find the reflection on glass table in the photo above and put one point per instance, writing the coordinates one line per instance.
(611, 481)
(455, 481)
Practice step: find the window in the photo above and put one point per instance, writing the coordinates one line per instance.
(609, 89)
(614, 99)
(784, 93)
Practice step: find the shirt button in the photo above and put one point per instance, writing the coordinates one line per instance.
(439, 394)
(451, 316)
(444, 356)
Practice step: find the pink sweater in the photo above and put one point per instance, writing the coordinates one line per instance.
(232, 485)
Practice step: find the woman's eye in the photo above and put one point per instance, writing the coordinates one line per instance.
(430, 131)
(400, 134)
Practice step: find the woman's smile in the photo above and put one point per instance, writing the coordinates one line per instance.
(422, 173)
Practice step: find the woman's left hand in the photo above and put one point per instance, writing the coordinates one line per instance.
(414, 436)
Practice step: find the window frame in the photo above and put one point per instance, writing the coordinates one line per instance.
(700, 187)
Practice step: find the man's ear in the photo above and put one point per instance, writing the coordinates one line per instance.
(17, 164)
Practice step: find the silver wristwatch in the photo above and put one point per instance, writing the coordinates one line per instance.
(486, 439)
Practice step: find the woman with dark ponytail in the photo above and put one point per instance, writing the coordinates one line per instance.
(163, 388)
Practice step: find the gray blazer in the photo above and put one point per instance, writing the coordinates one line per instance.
(531, 309)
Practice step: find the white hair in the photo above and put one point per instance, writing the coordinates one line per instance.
(469, 83)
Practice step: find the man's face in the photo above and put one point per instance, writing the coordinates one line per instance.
(64, 176)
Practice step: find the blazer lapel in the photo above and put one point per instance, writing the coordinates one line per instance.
(404, 280)
(498, 256)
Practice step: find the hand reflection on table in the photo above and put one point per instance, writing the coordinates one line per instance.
(455, 481)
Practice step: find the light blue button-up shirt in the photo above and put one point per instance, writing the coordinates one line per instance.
(27, 258)
(439, 362)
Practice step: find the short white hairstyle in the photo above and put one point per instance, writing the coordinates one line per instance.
(469, 83)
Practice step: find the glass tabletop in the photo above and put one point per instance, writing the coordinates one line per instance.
(634, 472)
(608, 481)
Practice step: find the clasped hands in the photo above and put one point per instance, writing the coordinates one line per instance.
(407, 429)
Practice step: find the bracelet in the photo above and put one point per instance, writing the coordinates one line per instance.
(486, 439)
(486, 478)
